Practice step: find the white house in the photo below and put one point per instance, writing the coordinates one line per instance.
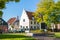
(13, 24)
(27, 21)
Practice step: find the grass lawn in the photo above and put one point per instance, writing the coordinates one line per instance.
(13, 36)
(57, 34)
(36, 31)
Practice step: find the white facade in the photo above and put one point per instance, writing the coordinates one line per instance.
(22, 23)
(9, 27)
(25, 22)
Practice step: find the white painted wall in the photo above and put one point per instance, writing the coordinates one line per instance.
(24, 16)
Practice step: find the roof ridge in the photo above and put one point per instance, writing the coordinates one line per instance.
(11, 20)
(29, 14)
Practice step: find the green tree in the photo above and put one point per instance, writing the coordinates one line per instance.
(48, 11)
(3, 5)
(1, 13)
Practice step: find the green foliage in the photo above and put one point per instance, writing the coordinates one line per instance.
(1, 13)
(57, 34)
(10, 0)
(3, 2)
(36, 31)
(15, 37)
(48, 11)
(17, 0)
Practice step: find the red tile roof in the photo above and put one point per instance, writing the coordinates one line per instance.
(12, 20)
(30, 14)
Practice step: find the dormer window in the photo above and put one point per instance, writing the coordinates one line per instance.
(23, 20)
(32, 18)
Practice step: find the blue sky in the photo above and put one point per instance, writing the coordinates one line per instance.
(15, 9)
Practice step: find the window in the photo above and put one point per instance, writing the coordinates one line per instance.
(23, 20)
(32, 18)
(31, 22)
(21, 26)
(38, 23)
(31, 27)
(38, 27)
(34, 27)
(27, 27)
(34, 22)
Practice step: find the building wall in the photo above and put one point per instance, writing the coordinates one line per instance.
(16, 25)
(27, 23)
(34, 25)
(24, 20)
(4, 28)
(9, 27)
(58, 26)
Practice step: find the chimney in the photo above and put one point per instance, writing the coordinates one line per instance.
(17, 17)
